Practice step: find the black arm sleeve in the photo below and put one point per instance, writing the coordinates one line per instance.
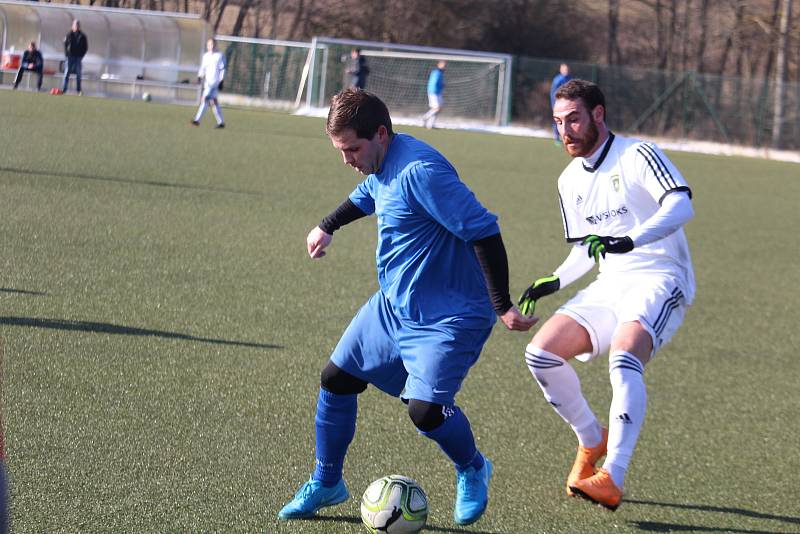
(346, 213)
(494, 263)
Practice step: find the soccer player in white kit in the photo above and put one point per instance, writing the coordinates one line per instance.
(212, 74)
(623, 204)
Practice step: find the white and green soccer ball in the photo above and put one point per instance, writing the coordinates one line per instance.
(146, 97)
(394, 504)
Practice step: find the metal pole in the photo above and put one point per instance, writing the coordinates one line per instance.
(324, 69)
(312, 72)
(657, 104)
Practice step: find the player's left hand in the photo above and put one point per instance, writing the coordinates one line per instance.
(514, 320)
(599, 245)
(221, 83)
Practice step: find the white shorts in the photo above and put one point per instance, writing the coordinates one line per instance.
(434, 101)
(654, 300)
(210, 92)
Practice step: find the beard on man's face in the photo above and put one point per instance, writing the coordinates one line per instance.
(580, 147)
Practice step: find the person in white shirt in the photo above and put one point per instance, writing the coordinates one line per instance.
(211, 74)
(623, 205)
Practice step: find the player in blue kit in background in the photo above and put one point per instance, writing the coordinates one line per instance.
(443, 276)
(435, 92)
(559, 79)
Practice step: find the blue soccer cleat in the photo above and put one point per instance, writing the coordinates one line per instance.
(472, 493)
(311, 497)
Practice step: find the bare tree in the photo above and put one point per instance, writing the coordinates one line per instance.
(613, 53)
(702, 37)
(780, 72)
(223, 4)
(732, 38)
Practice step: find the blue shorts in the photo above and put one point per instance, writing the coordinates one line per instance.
(429, 361)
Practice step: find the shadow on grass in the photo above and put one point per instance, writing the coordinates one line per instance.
(651, 526)
(128, 181)
(109, 328)
(428, 528)
(21, 291)
(655, 526)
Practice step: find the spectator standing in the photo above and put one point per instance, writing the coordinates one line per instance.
(357, 69)
(31, 60)
(75, 47)
(435, 91)
(559, 79)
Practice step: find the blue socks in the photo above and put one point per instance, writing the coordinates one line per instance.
(455, 438)
(336, 426)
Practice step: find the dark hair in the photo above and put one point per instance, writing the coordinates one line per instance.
(359, 110)
(578, 89)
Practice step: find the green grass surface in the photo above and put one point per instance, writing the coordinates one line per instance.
(164, 331)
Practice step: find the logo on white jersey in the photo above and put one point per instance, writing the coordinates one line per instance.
(579, 200)
(600, 217)
(615, 182)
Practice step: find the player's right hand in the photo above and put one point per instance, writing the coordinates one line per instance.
(540, 288)
(317, 241)
(514, 320)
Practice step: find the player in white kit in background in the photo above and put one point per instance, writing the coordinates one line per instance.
(212, 74)
(623, 205)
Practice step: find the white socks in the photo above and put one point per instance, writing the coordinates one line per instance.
(215, 108)
(200, 111)
(628, 407)
(562, 389)
(217, 113)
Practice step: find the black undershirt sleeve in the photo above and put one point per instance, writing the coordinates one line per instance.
(346, 213)
(494, 263)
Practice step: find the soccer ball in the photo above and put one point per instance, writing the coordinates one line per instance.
(146, 97)
(394, 504)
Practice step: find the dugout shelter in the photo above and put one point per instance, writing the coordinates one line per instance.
(130, 51)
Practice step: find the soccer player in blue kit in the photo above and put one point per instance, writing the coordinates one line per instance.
(443, 276)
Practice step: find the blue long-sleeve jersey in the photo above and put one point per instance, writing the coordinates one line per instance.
(427, 220)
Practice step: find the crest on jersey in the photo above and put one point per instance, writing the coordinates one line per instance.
(615, 182)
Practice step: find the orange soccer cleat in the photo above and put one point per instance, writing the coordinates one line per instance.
(585, 461)
(599, 489)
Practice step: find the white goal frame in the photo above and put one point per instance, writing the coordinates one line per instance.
(320, 64)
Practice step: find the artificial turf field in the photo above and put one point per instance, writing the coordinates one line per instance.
(164, 330)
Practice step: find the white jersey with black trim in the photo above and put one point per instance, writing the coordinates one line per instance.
(623, 189)
(212, 68)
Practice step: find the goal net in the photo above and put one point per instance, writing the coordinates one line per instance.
(263, 72)
(477, 84)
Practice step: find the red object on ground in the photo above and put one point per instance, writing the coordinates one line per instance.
(11, 61)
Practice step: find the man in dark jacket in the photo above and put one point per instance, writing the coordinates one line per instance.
(31, 60)
(75, 47)
(357, 69)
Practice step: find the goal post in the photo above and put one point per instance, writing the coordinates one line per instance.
(477, 84)
(263, 72)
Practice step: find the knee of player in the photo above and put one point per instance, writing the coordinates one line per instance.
(340, 382)
(541, 361)
(426, 416)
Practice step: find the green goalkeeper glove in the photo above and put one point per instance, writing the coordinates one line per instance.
(540, 288)
(599, 245)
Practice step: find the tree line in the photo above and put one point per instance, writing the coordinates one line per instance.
(748, 39)
(754, 41)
